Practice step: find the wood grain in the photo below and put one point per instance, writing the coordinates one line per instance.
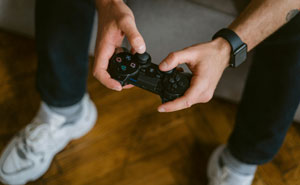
(131, 144)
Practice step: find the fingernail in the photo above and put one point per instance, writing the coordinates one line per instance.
(164, 65)
(117, 88)
(161, 109)
(141, 49)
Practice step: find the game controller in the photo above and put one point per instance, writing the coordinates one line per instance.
(138, 70)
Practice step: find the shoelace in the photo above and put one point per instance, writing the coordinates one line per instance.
(221, 178)
(225, 173)
(37, 138)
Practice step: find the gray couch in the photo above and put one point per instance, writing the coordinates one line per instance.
(167, 25)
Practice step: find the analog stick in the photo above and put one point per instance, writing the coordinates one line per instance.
(143, 58)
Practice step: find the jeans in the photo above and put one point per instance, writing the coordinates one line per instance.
(63, 29)
(270, 99)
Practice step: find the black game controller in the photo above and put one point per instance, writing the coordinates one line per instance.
(138, 70)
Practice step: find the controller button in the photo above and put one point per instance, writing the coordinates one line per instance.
(171, 80)
(174, 86)
(132, 65)
(158, 76)
(128, 57)
(151, 70)
(143, 58)
(169, 72)
(119, 59)
(123, 67)
(181, 84)
(177, 77)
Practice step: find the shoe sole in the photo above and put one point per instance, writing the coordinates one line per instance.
(211, 162)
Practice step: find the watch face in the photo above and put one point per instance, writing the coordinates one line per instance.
(240, 55)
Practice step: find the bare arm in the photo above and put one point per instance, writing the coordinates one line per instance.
(115, 21)
(208, 60)
(262, 18)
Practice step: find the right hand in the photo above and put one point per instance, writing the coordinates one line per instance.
(115, 20)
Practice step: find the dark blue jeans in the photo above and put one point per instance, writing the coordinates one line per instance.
(63, 29)
(271, 96)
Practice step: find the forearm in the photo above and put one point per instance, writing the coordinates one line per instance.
(263, 17)
(105, 2)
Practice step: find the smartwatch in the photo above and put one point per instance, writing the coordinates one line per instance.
(238, 47)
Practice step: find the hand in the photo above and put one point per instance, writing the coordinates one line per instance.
(207, 62)
(116, 20)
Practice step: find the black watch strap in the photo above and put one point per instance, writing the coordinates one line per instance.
(239, 48)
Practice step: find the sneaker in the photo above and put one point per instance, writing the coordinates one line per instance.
(29, 154)
(219, 174)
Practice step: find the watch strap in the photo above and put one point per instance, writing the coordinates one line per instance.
(238, 47)
(231, 37)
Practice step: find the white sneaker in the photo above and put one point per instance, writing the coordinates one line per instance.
(29, 154)
(218, 175)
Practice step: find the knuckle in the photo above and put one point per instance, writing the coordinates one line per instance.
(172, 56)
(95, 74)
(188, 103)
(124, 20)
(136, 38)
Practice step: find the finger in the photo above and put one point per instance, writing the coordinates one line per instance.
(128, 26)
(191, 96)
(177, 104)
(102, 55)
(173, 60)
(104, 77)
(179, 69)
(128, 86)
(132, 51)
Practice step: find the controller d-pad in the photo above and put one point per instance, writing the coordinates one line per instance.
(151, 70)
(172, 80)
(177, 78)
(181, 84)
(176, 84)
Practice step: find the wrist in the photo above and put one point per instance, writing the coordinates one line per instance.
(223, 49)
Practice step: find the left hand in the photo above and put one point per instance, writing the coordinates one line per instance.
(207, 61)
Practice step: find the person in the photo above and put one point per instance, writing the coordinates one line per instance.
(63, 29)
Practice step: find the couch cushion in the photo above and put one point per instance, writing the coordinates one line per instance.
(17, 16)
(170, 25)
(167, 25)
(232, 7)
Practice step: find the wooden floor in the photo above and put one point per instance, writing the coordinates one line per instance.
(131, 144)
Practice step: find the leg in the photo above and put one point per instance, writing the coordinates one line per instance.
(268, 105)
(271, 97)
(63, 29)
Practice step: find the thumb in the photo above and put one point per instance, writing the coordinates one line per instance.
(135, 39)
